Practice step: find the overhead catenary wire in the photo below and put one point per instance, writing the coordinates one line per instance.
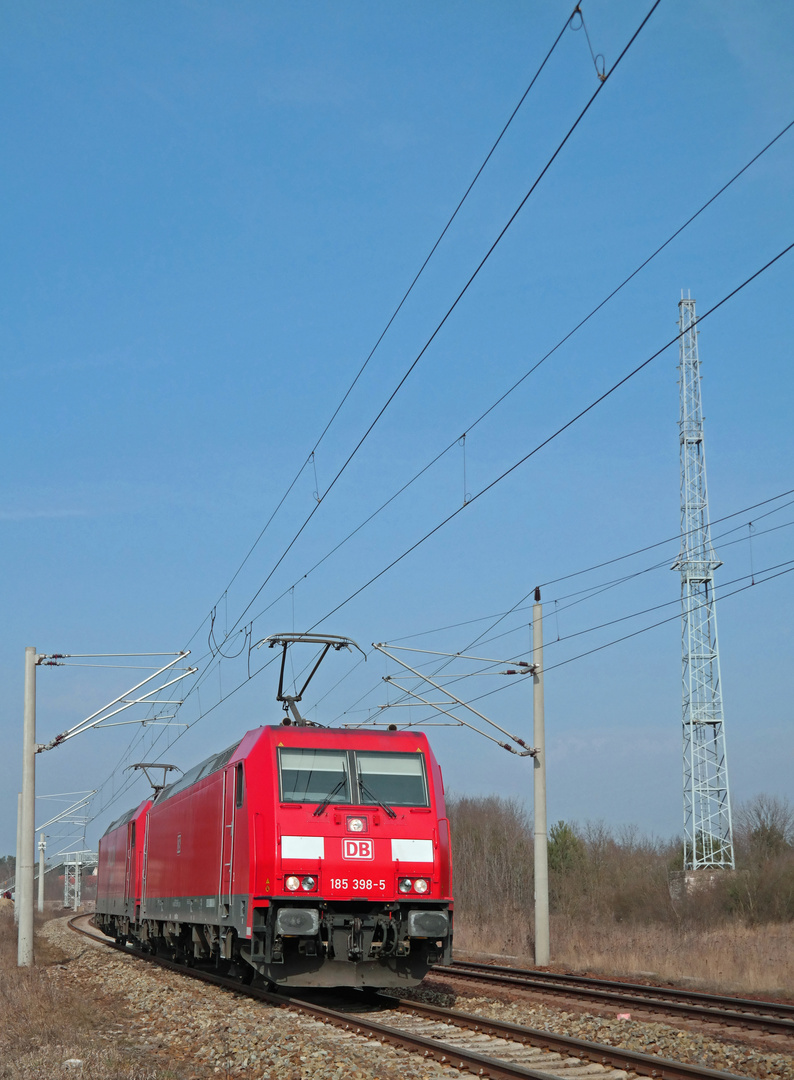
(548, 667)
(789, 568)
(446, 316)
(609, 562)
(377, 710)
(448, 313)
(214, 706)
(494, 405)
(391, 320)
(718, 598)
(483, 638)
(582, 595)
(677, 536)
(310, 460)
(515, 385)
(539, 446)
(555, 434)
(604, 625)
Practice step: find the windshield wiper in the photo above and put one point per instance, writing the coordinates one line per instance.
(329, 797)
(365, 790)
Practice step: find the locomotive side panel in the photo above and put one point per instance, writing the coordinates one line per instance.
(111, 872)
(184, 854)
(119, 872)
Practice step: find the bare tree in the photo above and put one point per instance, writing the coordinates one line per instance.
(765, 826)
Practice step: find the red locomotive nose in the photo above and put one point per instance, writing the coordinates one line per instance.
(317, 857)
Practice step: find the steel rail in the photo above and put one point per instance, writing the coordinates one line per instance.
(768, 1016)
(480, 1064)
(601, 1053)
(776, 1008)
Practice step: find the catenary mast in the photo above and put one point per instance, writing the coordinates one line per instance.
(708, 834)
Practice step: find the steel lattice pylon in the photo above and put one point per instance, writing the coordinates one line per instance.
(708, 832)
(73, 865)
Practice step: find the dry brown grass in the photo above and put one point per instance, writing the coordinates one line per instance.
(611, 901)
(731, 956)
(45, 1024)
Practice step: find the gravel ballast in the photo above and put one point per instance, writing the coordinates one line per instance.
(221, 1034)
(647, 1037)
(210, 1032)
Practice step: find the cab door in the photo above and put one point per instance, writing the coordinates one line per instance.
(231, 801)
(130, 870)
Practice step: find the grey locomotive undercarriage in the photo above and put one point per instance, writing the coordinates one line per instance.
(355, 943)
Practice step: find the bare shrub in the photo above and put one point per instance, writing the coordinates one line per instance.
(764, 828)
(493, 873)
(763, 888)
(594, 873)
(492, 852)
(610, 895)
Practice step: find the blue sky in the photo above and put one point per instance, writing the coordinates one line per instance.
(210, 213)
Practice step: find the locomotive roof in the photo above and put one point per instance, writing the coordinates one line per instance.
(198, 772)
(217, 761)
(123, 820)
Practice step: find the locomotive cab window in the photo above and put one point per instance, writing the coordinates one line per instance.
(239, 785)
(394, 779)
(313, 775)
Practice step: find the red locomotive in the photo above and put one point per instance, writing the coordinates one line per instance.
(312, 856)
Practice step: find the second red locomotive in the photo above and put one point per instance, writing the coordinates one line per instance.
(311, 856)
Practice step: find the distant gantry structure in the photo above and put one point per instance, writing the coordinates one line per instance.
(708, 831)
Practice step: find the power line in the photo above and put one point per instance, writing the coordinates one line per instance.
(549, 667)
(525, 376)
(642, 265)
(549, 439)
(483, 414)
(626, 637)
(601, 587)
(310, 457)
(595, 590)
(625, 618)
(448, 313)
(498, 618)
(444, 231)
(677, 536)
(483, 639)
(719, 597)
(608, 562)
(543, 443)
(397, 310)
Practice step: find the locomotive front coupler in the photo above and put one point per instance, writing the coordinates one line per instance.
(355, 941)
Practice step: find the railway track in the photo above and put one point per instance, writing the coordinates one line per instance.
(770, 1017)
(479, 1045)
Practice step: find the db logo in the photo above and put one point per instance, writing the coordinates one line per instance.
(357, 849)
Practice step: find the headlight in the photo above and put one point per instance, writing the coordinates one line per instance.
(405, 885)
(292, 883)
(356, 824)
(421, 885)
(309, 883)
